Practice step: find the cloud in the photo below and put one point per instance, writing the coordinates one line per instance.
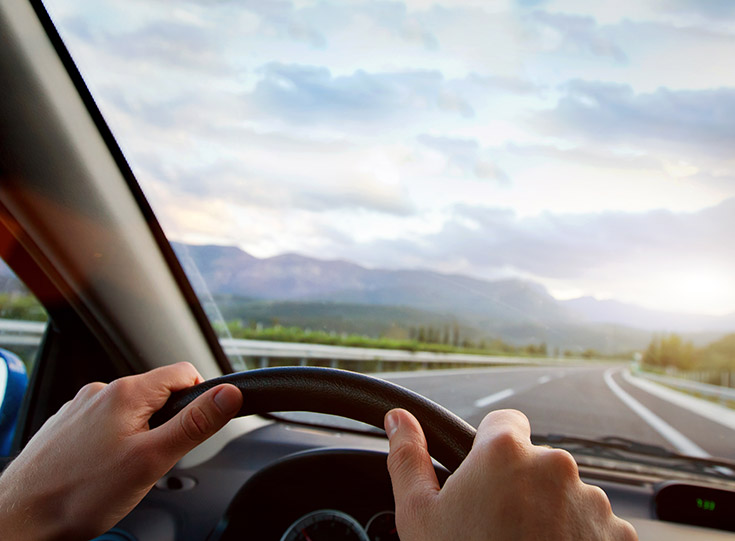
(314, 95)
(466, 156)
(570, 246)
(310, 94)
(263, 183)
(175, 44)
(602, 159)
(580, 34)
(396, 19)
(531, 3)
(512, 85)
(694, 120)
(715, 9)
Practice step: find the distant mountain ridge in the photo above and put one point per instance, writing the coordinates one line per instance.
(229, 270)
(610, 311)
(520, 311)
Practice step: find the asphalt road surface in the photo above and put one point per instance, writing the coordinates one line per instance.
(588, 401)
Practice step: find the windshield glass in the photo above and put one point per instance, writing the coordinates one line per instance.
(522, 204)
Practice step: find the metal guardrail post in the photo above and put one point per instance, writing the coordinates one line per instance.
(718, 392)
(30, 333)
(21, 333)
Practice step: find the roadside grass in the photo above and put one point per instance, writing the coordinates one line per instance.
(297, 334)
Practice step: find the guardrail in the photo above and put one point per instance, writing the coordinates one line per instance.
(704, 389)
(29, 333)
(21, 333)
(265, 349)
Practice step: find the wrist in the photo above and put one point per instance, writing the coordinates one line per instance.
(28, 514)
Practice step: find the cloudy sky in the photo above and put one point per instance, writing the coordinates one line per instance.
(584, 145)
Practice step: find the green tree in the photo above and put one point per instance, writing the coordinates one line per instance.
(670, 351)
(24, 307)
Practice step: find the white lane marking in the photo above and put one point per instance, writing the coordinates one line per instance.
(454, 372)
(705, 408)
(669, 433)
(482, 402)
(544, 379)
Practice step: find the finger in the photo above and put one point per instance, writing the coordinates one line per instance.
(158, 384)
(509, 424)
(197, 421)
(409, 464)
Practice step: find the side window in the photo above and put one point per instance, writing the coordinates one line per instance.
(22, 324)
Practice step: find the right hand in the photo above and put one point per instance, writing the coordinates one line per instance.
(506, 489)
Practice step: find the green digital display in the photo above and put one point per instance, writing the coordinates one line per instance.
(696, 505)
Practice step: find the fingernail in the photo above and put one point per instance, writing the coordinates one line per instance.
(391, 423)
(227, 401)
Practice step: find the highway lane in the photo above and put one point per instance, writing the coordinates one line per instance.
(575, 400)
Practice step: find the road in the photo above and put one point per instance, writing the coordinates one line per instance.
(588, 401)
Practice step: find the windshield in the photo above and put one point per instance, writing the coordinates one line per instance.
(500, 204)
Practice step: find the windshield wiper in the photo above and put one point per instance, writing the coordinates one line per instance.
(618, 448)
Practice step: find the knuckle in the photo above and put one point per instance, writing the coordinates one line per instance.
(562, 463)
(507, 446)
(519, 415)
(598, 499)
(90, 389)
(120, 388)
(195, 424)
(186, 365)
(626, 530)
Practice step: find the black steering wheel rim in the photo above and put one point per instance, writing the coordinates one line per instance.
(337, 392)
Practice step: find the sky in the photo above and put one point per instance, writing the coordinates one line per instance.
(587, 146)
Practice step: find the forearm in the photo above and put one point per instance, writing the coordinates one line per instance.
(29, 514)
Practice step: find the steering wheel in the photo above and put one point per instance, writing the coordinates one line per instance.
(337, 392)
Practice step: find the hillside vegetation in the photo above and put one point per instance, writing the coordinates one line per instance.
(20, 306)
(437, 340)
(673, 351)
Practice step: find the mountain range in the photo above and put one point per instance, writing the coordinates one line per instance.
(611, 311)
(292, 288)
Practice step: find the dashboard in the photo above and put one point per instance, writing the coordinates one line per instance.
(315, 495)
(286, 482)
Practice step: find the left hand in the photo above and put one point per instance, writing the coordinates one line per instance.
(95, 459)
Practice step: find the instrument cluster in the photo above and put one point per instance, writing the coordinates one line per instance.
(330, 524)
(319, 495)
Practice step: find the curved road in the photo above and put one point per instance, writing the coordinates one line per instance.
(587, 401)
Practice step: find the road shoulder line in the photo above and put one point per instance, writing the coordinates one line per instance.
(704, 408)
(683, 444)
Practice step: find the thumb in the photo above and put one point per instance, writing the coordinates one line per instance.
(199, 420)
(409, 464)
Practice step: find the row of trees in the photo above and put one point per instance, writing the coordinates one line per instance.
(449, 337)
(20, 306)
(452, 335)
(418, 339)
(673, 351)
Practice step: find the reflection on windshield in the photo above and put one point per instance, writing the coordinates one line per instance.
(501, 204)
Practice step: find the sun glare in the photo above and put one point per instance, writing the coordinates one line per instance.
(698, 290)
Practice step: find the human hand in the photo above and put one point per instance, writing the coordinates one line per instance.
(95, 459)
(506, 489)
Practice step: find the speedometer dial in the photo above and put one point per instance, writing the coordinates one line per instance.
(382, 527)
(325, 525)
